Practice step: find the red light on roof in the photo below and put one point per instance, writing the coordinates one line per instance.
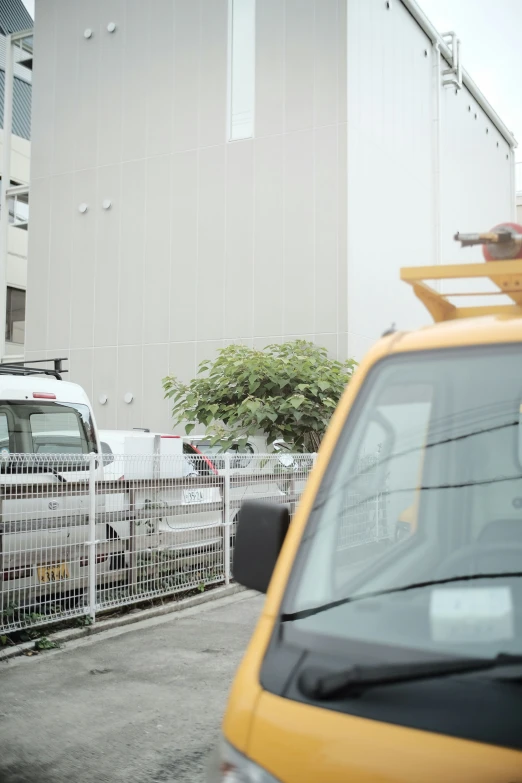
(170, 436)
(44, 396)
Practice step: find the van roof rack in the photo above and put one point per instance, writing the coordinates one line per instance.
(502, 249)
(505, 275)
(27, 368)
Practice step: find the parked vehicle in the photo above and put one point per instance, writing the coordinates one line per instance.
(183, 518)
(283, 473)
(43, 537)
(394, 662)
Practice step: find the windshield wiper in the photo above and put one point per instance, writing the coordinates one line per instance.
(55, 473)
(353, 681)
(304, 613)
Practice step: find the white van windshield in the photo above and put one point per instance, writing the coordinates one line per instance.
(45, 429)
(415, 540)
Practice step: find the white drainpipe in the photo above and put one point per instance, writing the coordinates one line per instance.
(437, 174)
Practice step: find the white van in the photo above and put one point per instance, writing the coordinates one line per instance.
(43, 535)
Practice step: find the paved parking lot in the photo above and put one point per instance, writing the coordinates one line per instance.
(141, 704)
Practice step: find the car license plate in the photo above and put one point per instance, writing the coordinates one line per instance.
(53, 573)
(195, 496)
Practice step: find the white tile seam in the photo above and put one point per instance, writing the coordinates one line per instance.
(120, 213)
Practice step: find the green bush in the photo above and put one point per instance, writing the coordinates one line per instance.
(287, 391)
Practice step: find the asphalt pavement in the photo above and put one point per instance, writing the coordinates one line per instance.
(141, 704)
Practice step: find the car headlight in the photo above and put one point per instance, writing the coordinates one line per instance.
(227, 765)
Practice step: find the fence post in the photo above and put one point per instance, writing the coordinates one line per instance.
(133, 559)
(291, 491)
(92, 536)
(226, 521)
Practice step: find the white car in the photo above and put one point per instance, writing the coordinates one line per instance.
(283, 474)
(183, 518)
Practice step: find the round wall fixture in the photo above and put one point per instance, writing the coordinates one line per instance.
(82, 208)
(107, 203)
(128, 398)
(111, 27)
(87, 33)
(102, 399)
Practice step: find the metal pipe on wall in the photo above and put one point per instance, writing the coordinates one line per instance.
(437, 174)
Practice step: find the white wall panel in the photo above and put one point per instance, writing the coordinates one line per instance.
(82, 261)
(82, 126)
(239, 304)
(299, 232)
(108, 261)
(389, 167)
(135, 81)
(160, 73)
(187, 53)
(269, 236)
(110, 82)
(270, 68)
(156, 268)
(392, 180)
(105, 381)
(184, 246)
(476, 172)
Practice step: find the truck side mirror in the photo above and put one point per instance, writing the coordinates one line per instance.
(260, 534)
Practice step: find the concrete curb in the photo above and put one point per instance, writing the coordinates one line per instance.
(138, 615)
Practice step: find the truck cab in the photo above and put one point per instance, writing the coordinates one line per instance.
(398, 658)
(47, 434)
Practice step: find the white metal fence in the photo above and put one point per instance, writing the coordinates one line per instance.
(364, 512)
(78, 535)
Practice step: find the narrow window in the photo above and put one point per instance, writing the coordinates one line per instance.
(15, 316)
(242, 20)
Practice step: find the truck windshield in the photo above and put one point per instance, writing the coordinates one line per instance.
(415, 539)
(48, 431)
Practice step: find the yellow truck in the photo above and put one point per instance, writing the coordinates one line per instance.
(398, 660)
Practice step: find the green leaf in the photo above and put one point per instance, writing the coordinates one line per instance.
(189, 428)
(323, 385)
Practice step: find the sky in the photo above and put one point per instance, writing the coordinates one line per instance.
(491, 46)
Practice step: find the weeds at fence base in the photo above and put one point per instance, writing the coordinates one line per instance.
(43, 643)
(40, 636)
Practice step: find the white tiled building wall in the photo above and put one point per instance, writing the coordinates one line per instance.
(297, 232)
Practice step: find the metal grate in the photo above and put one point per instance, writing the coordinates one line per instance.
(80, 534)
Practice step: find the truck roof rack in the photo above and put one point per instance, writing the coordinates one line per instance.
(505, 275)
(27, 368)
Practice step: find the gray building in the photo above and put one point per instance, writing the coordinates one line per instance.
(211, 171)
